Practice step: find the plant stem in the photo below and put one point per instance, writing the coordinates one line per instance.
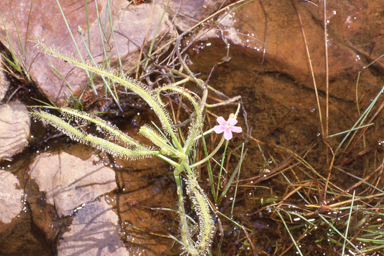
(221, 169)
(210, 155)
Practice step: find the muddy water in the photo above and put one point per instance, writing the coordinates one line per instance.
(283, 113)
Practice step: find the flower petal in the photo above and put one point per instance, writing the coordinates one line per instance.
(219, 129)
(221, 121)
(236, 129)
(231, 121)
(227, 134)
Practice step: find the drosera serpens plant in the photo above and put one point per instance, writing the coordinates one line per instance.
(169, 144)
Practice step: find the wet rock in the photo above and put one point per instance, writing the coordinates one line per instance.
(10, 196)
(14, 128)
(44, 21)
(70, 182)
(94, 231)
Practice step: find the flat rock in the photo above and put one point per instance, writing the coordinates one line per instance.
(94, 231)
(10, 197)
(69, 181)
(14, 128)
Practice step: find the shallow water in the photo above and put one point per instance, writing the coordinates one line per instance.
(282, 111)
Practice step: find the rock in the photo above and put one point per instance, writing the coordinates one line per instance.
(356, 24)
(94, 231)
(186, 14)
(131, 26)
(10, 196)
(46, 24)
(42, 20)
(14, 128)
(70, 182)
(285, 48)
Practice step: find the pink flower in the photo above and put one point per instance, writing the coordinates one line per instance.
(227, 127)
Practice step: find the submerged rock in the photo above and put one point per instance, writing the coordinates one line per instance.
(14, 128)
(94, 231)
(271, 35)
(10, 197)
(70, 182)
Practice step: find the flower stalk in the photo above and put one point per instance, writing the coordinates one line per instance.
(167, 146)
